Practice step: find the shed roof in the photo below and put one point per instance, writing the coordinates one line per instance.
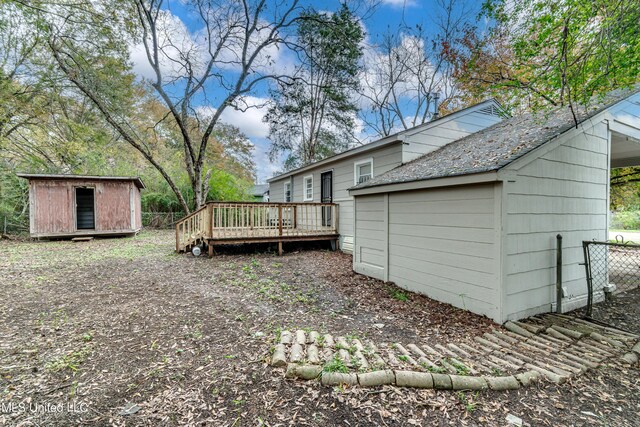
(39, 176)
(497, 146)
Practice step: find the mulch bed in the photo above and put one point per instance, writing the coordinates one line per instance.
(126, 323)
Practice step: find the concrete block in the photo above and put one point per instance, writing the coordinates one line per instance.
(528, 378)
(306, 372)
(630, 358)
(415, 379)
(462, 382)
(337, 378)
(376, 378)
(279, 359)
(503, 383)
(296, 353)
(510, 326)
(441, 381)
(286, 337)
(313, 356)
(301, 337)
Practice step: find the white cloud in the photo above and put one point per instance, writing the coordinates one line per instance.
(248, 118)
(399, 3)
(250, 123)
(265, 168)
(141, 66)
(181, 46)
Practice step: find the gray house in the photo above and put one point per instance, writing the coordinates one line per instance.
(260, 192)
(329, 180)
(473, 223)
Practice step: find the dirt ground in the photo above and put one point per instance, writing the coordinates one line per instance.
(125, 332)
(622, 311)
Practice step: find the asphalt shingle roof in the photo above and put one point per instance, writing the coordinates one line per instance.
(496, 146)
(259, 189)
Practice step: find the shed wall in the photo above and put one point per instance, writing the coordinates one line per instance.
(113, 206)
(52, 207)
(564, 190)
(444, 243)
(370, 256)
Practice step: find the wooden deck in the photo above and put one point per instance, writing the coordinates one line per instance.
(219, 223)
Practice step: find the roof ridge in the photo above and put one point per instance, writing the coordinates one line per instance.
(497, 146)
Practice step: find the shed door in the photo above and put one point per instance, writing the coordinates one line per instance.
(85, 209)
(326, 196)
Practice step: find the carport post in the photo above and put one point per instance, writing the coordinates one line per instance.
(559, 274)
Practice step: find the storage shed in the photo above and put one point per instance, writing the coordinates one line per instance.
(474, 223)
(75, 205)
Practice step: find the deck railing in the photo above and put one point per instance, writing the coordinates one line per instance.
(193, 228)
(254, 221)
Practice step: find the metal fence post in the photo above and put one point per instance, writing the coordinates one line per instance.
(559, 274)
(587, 267)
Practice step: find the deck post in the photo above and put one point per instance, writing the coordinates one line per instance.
(295, 217)
(212, 220)
(177, 238)
(280, 229)
(210, 246)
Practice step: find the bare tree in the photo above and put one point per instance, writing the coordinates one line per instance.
(219, 65)
(408, 70)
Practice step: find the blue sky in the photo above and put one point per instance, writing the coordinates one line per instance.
(389, 15)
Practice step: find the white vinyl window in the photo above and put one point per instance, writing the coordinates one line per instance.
(287, 192)
(308, 188)
(363, 171)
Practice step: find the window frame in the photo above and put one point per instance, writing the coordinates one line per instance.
(288, 183)
(304, 188)
(356, 166)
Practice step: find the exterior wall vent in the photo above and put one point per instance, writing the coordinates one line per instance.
(490, 110)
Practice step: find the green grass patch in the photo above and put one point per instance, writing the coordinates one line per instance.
(398, 294)
(70, 361)
(335, 365)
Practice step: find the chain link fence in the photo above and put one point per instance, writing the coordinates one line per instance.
(19, 225)
(161, 220)
(14, 225)
(613, 281)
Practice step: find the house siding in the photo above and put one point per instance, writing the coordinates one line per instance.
(426, 140)
(443, 243)
(415, 143)
(563, 191)
(384, 159)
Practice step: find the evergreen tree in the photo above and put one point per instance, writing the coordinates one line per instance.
(313, 117)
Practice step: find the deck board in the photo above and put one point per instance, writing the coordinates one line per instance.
(238, 222)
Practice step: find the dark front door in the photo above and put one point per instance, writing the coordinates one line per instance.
(326, 196)
(85, 212)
